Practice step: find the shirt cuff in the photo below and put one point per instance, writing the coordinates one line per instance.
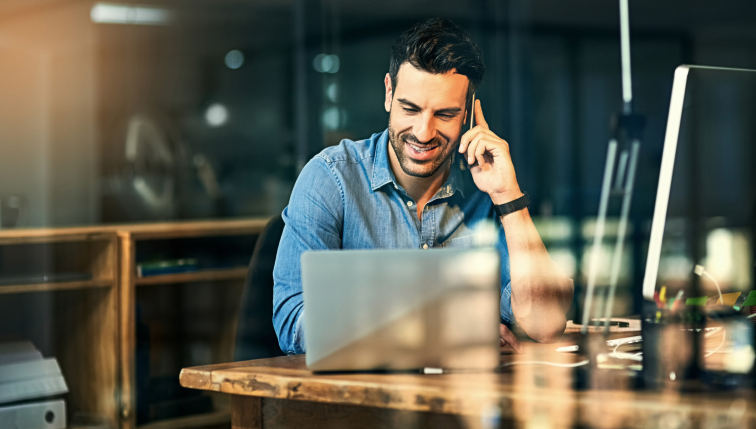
(505, 305)
(299, 343)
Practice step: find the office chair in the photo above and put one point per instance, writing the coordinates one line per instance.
(255, 337)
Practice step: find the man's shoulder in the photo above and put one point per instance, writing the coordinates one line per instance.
(351, 151)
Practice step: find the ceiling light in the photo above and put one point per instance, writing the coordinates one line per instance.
(324, 63)
(216, 115)
(112, 13)
(234, 59)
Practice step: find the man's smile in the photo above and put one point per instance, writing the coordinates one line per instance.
(421, 152)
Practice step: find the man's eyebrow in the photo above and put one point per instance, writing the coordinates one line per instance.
(409, 103)
(446, 111)
(449, 111)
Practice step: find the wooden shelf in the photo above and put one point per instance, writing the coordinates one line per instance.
(184, 229)
(42, 287)
(238, 273)
(189, 422)
(192, 229)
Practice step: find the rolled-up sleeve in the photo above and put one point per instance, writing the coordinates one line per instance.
(505, 302)
(314, 221)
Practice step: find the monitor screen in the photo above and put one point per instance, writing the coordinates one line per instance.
(705, 211)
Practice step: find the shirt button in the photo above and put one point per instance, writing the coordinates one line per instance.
(409, 203)
(425, 246)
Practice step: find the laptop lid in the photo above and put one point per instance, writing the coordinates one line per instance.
(401, 309)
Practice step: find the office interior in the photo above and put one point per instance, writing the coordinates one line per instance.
(145, 147)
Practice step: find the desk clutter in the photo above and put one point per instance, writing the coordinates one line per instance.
(30, 388)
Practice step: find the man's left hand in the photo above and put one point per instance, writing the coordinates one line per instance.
(490, 162)
(507, 338)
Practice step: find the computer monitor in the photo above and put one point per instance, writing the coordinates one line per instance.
(705, 210)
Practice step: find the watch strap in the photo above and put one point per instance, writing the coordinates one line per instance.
(513, 206)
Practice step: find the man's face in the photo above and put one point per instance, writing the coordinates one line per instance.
(426, 114)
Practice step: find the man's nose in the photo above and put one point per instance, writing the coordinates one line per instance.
(425, 130)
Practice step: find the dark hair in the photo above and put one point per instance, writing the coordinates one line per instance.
(438, 46)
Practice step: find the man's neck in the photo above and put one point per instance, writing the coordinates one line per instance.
(420, 189)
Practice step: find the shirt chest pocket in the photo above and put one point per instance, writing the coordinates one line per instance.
(460, 242)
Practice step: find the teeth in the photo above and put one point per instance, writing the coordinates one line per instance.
(419, 149)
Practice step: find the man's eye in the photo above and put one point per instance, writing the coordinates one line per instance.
(408, 110)
(442, 116)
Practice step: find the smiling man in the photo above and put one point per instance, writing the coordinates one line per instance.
(423, 183)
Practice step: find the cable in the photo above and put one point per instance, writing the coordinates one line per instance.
(700, 271)
(724, 335)
(538, 362)
(629, 356)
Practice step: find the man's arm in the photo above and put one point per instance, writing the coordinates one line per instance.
(313, 222)
(541, 294)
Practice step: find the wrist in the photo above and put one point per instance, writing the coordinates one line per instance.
(506, 197)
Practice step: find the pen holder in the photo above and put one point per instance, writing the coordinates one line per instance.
(670, 346)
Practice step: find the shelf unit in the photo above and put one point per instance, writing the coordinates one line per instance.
(93, 321)
(80, 317)
(226, 283)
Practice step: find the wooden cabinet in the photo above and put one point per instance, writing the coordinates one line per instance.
(91, 320)
(222, 285)
(75, 320)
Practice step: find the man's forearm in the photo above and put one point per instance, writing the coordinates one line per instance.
(541, 294)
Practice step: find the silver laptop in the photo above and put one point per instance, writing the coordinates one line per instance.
(401, 309)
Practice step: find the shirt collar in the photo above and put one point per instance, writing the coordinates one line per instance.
(383, 175)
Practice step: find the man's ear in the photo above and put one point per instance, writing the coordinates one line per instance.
(389, 93)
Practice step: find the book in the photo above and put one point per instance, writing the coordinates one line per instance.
(173, 266)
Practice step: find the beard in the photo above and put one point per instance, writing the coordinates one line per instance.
(420, 168)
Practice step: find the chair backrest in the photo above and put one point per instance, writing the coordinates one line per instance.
(255, 336)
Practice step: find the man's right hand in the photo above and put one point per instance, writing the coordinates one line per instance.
(507, 338)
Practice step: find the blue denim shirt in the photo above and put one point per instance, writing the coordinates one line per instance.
(347, 197)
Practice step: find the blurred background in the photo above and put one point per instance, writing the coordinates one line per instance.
(170, 110)
(121, 112)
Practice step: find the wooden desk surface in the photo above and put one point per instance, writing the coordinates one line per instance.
(519, 393)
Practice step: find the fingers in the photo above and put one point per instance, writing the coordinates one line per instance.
(479, 118)
(481, 125)
(478, 140)
(508, 337)
(478, 146)
(467, 137)
(480, 149)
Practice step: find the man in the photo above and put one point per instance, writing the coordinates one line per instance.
(421, 184)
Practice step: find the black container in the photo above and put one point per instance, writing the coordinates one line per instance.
(728, 363)
(671, 344)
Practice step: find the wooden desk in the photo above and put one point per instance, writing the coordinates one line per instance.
(282, 393)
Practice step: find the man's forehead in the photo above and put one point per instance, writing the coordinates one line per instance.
(419, 86)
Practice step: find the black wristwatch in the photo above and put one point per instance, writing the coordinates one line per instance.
(507, 208)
